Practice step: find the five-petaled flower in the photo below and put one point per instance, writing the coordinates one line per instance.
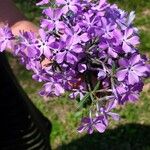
(131, 69)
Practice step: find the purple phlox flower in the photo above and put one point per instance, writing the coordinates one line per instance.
(43, 44)
(53, 19)
(79, 42)
(57, 50)
(129, 40)
(122, 20)
(36, 67)
(107, 111)
(78, 93)
(132, 69)
(107, 28)
(118, 16)
(6, 38)
(26, 46)
(43, 2)
(90, 21)
(68, 5)
(52, 88)
(88, 124)
(48, 71)
(113, 52)
(101, 7)
(112, 49)
(68, 78)
(71, 48)
(77, 34)
(128, 93)
(113, 14)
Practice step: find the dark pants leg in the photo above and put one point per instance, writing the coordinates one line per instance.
(22, 126)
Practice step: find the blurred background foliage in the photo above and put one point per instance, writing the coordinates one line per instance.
(131, 133)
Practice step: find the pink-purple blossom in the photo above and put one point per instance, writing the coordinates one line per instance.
(6, 38)
(91, 49)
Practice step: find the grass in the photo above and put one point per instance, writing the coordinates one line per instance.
(131, 133)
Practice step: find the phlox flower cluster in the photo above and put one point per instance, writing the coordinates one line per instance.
(88, 48)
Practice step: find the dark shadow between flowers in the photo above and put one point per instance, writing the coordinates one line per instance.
(125, 137)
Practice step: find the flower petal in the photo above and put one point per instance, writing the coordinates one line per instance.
(135, 59)
(100, 127)
(126, 47)
(132, 78)
(115, 116)
(123, 62)
(133, 40)
(60, 57)
(121, 74)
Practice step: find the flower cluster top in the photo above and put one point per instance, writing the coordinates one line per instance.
(88, 48)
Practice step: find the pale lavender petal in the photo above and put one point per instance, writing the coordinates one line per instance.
(60, 57)
(101, 3)
(59, 25)
(77, 49)
(133, 97)
(135, 59)
(101, 74)
(131, 17)
(126, 47)
(57, 13)
(121, 90)
(112, 53)
(49, 12)
(3, 46)
(65, 9)
(100, 127)
(84, 37)
(115, 116)
(111, 105)
(42, 34)
(31, 52)
(140, 70)
(43, 2)
(121, 74)
(70, 58)
(47, 53)
(47, 24)
(61, 2)
(133, 40)
(73, 8)
(59, 90)
(132, 78)
(128, 32)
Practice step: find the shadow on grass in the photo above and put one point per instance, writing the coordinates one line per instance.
(126, 137)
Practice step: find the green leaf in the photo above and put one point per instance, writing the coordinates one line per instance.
(96, 87)
(83, 100)
(113, 68)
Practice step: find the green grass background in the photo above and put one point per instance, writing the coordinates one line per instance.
(131, 133)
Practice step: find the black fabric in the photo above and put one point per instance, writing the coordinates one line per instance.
(22, 126)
